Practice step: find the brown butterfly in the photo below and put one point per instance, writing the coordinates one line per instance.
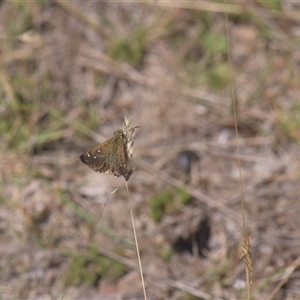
(114, 155)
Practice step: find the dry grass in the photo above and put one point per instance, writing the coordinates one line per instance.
(69, 69)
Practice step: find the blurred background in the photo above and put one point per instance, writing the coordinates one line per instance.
(69, 70)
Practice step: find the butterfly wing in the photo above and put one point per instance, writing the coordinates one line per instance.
(96, 158)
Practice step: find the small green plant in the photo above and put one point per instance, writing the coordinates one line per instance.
(273, 4)
(188, 296)
(92, 266)
(158, 204)
(290, 122)
(24, 17)
(130, 50)
(165, 253)
(218, 76)
(168, 202)
(214, 43)
(183, 195)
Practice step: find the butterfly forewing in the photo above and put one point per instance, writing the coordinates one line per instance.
(96, 158)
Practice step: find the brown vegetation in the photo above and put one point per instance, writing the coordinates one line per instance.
(68, 71)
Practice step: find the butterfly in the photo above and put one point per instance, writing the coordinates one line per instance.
(114, 156)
